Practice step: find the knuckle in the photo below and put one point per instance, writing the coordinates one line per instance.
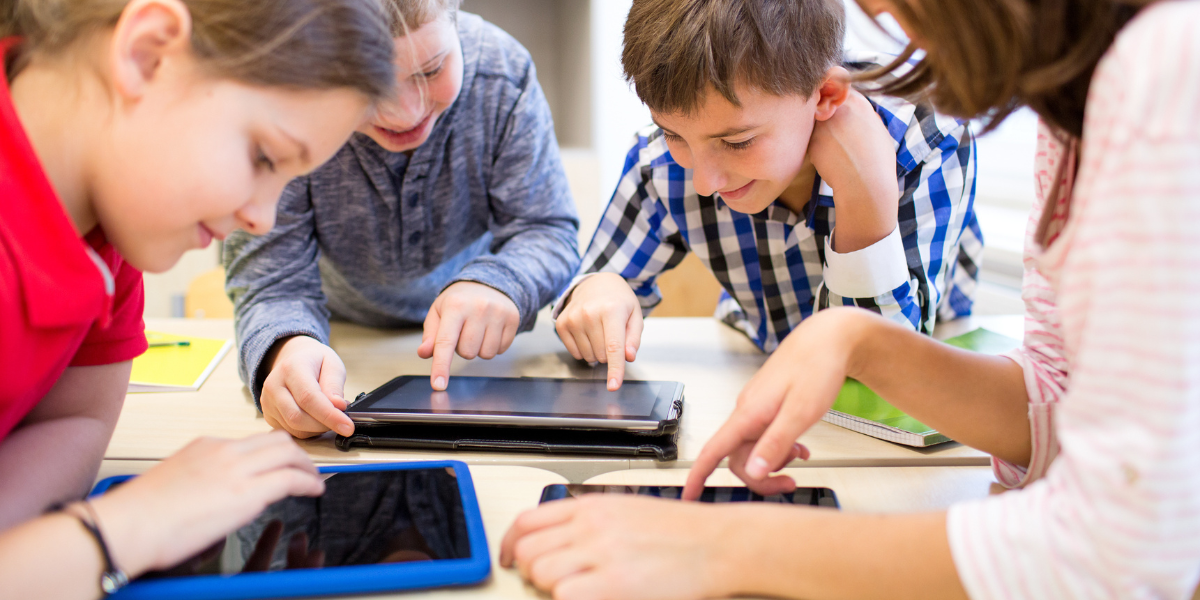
(292, 418)
(541, 574)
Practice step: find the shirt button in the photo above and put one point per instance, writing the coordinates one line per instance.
(413, 199)
(414, 238)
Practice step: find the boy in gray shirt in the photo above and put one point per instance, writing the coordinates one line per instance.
(450, 208)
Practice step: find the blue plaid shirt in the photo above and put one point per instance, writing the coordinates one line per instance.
(771, 264)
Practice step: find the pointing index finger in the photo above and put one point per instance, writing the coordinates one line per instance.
(614, 349)
(444, 343)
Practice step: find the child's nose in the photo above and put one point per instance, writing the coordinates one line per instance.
(258, 216)
(707, 177)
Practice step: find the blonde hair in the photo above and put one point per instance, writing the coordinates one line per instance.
(304, 44)
(405, 16)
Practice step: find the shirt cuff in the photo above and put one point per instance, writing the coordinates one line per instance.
(867, 273)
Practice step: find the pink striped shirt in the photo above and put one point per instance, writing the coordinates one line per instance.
(1111, 500)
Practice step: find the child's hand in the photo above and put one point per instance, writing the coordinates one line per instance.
(855, 155)
(602, 322)
(627, 547)
(790, 393)
(304, 392)
(200, 494)
(472, 319)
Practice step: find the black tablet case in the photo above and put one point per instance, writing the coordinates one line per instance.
(513, 439)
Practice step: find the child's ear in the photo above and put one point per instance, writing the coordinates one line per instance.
(148, 32)
(832, 92)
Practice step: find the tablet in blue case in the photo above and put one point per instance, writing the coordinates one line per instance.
(378, 528)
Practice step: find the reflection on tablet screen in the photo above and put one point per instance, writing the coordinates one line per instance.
(485, 395)
(363, 518)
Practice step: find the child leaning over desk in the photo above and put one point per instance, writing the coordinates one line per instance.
(450, 207)
(794, 189)
(130, 133)
(1096, 417)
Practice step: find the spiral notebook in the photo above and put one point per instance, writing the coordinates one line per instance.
(859, 409)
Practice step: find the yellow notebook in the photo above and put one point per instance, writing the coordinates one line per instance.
(176, 368)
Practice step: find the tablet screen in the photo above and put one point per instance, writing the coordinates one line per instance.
(506, 396)
(802, 496)
(363, 518)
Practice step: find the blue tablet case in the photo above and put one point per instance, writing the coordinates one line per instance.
(345, 580)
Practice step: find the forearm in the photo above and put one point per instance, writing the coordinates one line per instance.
(49, 462)
(55, 454)
(52, 557)
(865, 214)
(977, 399)
(784, 552)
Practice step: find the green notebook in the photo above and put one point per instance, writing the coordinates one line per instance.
(859, 409)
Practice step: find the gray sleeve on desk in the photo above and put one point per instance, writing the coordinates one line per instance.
(262, 325)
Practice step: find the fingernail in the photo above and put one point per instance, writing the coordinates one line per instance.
(345, 430)
(439, 384)
(613, 383)
(757, 467)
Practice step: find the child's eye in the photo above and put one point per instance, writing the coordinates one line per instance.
(738, 145)
(434, 73)
(261, 160)
(671, 137)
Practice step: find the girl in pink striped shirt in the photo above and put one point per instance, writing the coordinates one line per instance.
(1096, 417)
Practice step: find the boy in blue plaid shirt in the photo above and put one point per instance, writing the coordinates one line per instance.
(798, 192)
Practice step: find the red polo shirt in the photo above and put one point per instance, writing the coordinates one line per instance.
(64, 300)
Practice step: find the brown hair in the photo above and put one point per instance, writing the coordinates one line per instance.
(986, 59)
(675, 49)
(306, 44)
(409, 15)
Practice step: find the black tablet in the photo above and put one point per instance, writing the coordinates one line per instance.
(804, 496)
(524, 401)
(378, 528)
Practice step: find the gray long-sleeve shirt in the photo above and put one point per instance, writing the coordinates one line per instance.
(373, 236)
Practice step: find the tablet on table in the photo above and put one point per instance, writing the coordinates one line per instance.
(377, 528)
(647, 407)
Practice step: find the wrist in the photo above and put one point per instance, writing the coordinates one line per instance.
(861, 231)
(866, 334)
(746, 550)
(127, 535)
(733, 548)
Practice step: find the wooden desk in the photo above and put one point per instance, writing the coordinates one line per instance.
(713, 361)
(506, 491)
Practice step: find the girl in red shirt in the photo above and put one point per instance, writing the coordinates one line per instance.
(129, 134)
